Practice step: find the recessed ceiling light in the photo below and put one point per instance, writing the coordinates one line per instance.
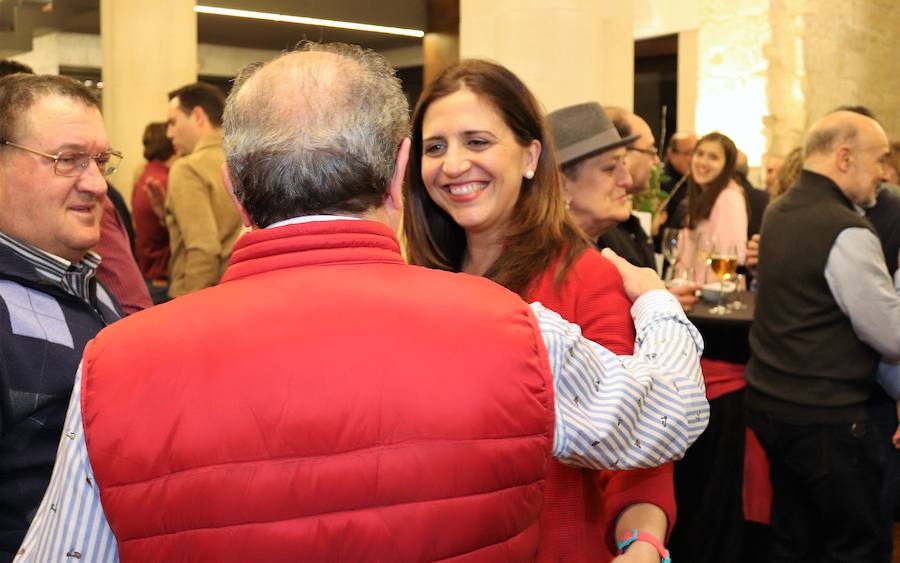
(308, 21)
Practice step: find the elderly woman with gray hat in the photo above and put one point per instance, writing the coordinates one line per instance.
(484, 196)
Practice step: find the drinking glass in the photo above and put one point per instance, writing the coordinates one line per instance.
(683, 274)
(704, 248)
(724, 262)
(672, 248)
(740, 286)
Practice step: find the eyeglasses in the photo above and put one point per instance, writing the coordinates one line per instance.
(648, 152)
(71, 164)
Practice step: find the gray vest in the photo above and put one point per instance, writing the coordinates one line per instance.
(807, 363)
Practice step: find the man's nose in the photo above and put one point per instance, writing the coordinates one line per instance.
(92, 180)
(625, 179)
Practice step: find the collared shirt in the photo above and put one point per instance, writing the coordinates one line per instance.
(72, 277)
(861, 285)
(312, 219)
(862, 288)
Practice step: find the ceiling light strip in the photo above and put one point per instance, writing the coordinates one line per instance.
(308, 21)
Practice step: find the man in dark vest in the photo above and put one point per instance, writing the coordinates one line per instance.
(827, 312)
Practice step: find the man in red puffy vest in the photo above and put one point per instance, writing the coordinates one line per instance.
(326, 401)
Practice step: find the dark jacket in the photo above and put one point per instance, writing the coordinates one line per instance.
(631, 242)
(43, 331)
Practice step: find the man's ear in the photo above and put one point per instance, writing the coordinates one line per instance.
(395, 185)
(843, 158)
(198, 116)
(229, 187)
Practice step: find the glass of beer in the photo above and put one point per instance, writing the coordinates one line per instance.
(724, 262)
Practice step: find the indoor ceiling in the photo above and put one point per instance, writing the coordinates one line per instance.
(83, 16)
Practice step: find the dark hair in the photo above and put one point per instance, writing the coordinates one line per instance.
(8, 67)
(208, 97)
(701, 202)
(19, 92)
(540, 228)
(619, 118)
(326, 143)
(157, 145)
(861, 110)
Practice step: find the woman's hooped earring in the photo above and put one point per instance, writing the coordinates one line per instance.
(529, 174)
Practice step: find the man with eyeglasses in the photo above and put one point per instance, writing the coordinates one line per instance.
(628, 238)
(54, 154)
(676, 167)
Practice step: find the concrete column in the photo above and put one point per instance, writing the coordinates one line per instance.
(687, 81)
(441, 42)
(566, 51)
(149, 49)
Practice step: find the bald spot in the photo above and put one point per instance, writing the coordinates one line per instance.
(838, 129)
(680, 140)
(298, 89)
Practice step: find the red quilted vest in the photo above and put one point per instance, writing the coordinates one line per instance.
(325, 402)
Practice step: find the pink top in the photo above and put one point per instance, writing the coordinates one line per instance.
(727, 224)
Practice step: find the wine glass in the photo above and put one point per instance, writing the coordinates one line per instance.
(724, 262)
(671, 248)
(704, 248)
(740, 286)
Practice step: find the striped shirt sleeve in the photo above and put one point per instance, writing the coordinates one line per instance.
(69, 524)
(626, 412)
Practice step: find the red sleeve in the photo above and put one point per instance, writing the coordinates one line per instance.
(604, 312)
(621, 489)
(602, 308)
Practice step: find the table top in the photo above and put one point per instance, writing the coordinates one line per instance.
(701, 315)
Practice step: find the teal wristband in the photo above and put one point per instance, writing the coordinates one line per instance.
(635, 535)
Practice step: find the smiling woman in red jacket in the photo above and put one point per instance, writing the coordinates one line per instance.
(484, 197)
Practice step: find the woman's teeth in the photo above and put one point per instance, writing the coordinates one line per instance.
(467, 188)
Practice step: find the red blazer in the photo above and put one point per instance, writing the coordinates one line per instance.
(325, 401)
(581, 506)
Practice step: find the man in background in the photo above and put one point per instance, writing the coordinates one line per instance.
(203, 222)
(826, 314)
(677, 165)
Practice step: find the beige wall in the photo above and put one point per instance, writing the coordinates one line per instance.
(732, 72)
(567, 51)
(688, 59)
(149, 48)
(852, 56)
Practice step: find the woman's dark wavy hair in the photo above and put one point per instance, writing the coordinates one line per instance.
(700, 202)
(157, 145)
(540, 232)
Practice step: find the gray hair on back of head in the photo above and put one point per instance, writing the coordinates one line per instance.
(314, 131)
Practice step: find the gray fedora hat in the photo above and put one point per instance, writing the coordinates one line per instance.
(584, 130)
